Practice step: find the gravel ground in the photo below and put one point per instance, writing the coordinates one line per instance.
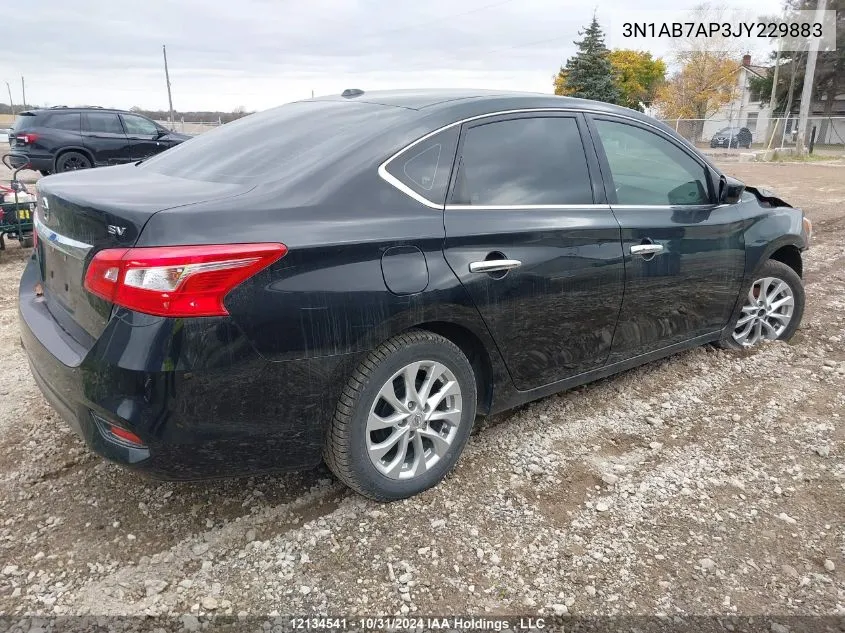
(712, 482)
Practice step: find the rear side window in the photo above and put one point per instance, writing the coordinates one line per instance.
(103, 122)
(425, 167)
(69, 121)
(525, 161)
(287, 142)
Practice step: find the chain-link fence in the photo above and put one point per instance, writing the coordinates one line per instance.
(756, 131)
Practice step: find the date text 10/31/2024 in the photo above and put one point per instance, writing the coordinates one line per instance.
(418, 623)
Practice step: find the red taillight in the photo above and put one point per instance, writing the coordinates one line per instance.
(176, 281)
(28, 138)
(126, 436)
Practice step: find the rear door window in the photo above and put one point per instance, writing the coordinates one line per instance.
(103, 123)
(522, 162)
(69, 121)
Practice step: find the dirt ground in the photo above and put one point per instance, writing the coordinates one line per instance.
(712, 482)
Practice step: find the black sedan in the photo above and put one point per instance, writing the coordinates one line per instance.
(355, 278)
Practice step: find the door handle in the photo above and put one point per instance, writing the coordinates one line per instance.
(646, 249)
(494, 265)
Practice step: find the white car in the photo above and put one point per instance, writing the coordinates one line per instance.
(4, 134)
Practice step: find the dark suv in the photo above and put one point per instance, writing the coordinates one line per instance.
(732, 137)
(63, 139)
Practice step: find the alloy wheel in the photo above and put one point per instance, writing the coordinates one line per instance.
(767, 312)
(414, 419)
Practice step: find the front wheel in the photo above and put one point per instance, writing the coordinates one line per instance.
(772, 309)
(404, 417)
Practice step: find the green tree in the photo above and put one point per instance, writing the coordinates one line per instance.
(589, 74)
(638, 76)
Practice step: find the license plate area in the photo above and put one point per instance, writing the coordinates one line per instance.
(62, 275)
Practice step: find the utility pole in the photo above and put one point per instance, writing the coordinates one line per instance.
(167, 77)
(809, 76)
(773, 122)
(11, 103)
(788, 110)
(23, 91)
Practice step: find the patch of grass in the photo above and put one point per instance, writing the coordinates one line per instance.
(777, 157)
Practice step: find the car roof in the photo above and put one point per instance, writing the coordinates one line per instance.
(35, 111)
(476, 100)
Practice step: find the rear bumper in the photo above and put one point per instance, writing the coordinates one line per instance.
(204, 403)
(38, 161)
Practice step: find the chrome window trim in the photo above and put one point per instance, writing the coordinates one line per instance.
(700, 207)
(65, 244)
(507, 207)
(398, 184)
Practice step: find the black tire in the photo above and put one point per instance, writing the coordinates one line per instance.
(72, 161)
(778, 270)
(44, 172)
(345, 449)
(26, 241)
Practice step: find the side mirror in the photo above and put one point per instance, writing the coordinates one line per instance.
(730, 190)
(162, 133)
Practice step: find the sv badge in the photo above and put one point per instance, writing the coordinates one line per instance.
(116, 230)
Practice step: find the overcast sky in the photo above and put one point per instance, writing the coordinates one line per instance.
(261, 53)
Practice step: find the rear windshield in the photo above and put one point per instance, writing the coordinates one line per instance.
(274, 144)
(24, 121)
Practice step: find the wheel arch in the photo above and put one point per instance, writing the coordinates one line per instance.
(81, 150)
(786, 244)
(788, 247)
(790, 255)
(476, 352)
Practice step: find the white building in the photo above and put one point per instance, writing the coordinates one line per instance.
(745, 109)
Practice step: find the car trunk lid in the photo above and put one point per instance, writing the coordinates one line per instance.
(81, 213)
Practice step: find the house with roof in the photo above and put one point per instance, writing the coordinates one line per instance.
(749, 109)
(745, 109)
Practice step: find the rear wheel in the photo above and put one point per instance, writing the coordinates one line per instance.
(772, 309)
(404, 417)
(71, 161)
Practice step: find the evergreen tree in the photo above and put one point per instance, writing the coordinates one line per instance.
(589, 74)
